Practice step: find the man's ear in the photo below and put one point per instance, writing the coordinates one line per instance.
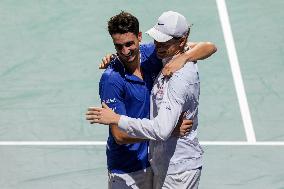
(183, 41)
(139, 36)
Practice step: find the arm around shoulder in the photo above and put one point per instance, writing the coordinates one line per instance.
(200, 50)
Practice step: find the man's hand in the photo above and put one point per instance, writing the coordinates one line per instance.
(174, 65)
(103, 115)
(106, 60)
(183, 127)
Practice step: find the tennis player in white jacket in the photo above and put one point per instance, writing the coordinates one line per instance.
(176, 162)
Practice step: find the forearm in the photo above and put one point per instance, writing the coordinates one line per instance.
(142, 128)
(159, 128)
(123, 138)
(199, 51)
(127, 130)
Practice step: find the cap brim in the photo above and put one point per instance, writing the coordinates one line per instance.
(158, 36)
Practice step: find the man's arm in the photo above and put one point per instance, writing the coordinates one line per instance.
(121, 137)
(161, 127)
(107, 116)
(111, 92)
(198, 51)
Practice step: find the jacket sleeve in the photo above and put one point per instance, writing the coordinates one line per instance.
(161, 127)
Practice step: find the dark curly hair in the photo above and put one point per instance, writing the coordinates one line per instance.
(123, 22)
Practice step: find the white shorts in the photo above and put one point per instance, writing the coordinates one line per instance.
(185, 180)
(142, 179)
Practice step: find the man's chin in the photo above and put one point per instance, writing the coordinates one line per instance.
(161, 56)
(130, 59)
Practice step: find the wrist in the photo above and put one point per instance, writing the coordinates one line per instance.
(116, 118)
(188, 56)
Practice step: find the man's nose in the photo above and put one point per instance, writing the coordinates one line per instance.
(125, 50)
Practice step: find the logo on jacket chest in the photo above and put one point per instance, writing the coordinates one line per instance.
(159, 90)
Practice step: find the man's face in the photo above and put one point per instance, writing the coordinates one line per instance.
(127, 46)
(168, 49)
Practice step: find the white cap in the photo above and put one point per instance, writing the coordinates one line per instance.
(170, 24)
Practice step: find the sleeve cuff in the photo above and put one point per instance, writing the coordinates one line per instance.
(123, 123)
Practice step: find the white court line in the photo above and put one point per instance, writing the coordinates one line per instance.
(242, 143)
(103, 143)
(52, 143)
(235, 68)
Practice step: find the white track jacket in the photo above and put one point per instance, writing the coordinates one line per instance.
(170, 97)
